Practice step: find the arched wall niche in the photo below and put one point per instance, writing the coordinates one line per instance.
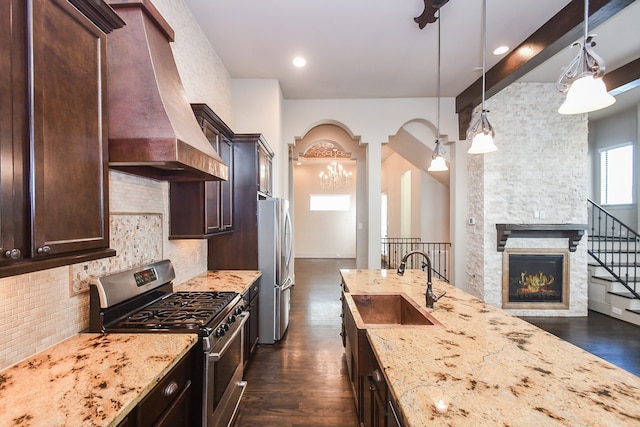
(335, 133)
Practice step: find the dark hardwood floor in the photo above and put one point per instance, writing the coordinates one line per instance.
(301, 380)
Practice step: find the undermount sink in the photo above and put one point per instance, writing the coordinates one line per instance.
(390, 310)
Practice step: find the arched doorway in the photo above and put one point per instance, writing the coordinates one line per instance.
(328, 188)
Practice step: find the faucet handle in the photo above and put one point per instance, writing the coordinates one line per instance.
(439, 296)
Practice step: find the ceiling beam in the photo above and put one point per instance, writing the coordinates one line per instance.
(557, 33)
(623, 78)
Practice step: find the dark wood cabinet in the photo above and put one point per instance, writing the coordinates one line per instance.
(239, 250)
(54, 206)
(375, 405)
(14, 223)
(201, 209)
(170, 402)
(251, 327)
(265, 170)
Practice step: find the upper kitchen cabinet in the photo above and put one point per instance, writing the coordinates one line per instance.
(201, 209)
(252, 158)
(53, 133)
(260, 159)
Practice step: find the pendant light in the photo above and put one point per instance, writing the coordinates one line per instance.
(481, 133)
(582, 80)
(438, 163)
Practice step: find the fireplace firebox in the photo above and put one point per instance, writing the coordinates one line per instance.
(535, 279)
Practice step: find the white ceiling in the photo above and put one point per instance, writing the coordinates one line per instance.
(374, 49)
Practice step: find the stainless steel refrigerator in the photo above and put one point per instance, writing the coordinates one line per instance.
(275, 243)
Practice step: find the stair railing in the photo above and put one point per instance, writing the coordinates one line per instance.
(394, 248)
(615, 246)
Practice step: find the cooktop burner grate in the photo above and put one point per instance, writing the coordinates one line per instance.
(179, 310)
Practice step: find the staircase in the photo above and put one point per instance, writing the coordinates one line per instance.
(614, 272)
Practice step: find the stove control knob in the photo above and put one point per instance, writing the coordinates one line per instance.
(220, 332)
(225, 327)
(232, 318)
(239, 310)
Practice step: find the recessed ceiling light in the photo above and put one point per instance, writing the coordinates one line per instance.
(500, 50)
(299, 61)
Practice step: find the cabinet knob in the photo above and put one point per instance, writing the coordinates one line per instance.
(13, 253)
(170, 388)
(44, 250)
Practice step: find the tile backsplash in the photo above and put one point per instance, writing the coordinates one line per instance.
(137, 240)
(40, 309)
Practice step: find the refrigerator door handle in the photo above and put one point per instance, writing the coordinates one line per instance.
(289, 233)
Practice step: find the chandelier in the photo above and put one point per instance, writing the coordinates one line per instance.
(336, 177)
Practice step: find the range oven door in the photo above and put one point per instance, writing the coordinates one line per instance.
(223, 386)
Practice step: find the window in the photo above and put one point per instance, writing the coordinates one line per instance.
(329, 202)
(616, 175)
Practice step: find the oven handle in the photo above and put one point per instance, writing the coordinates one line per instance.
(243, 387)
(240, 321)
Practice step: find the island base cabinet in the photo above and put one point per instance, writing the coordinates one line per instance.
(393, 415)
(374, 402)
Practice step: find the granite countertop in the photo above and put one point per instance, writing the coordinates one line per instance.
(96, 379)
(489, 367)
(89, 379)
(221, 280)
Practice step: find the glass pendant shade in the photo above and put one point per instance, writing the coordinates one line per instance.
(586, 94)
(582, 79)
(481, 136)
(482, 143)
(481, 133)
(438, 164)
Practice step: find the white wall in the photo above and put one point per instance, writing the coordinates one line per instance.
(320, 234)
(257, 108)
(615, 130)
(433, 210)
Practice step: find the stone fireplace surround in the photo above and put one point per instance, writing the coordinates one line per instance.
(539, 175)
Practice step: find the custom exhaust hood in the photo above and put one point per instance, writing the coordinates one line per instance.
(152, 129)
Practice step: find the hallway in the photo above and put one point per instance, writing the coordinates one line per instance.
(301, 381)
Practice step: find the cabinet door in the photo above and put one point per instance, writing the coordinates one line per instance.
(226, 187)
(265, 166)
(13, 132)
(213, 220)
(68, 139)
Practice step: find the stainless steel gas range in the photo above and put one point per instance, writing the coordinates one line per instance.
(142, 300)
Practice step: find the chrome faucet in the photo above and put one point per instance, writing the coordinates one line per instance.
(431, 297)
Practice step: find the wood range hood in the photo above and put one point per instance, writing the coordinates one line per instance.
(152, 129)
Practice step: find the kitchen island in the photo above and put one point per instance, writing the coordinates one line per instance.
(487, 367)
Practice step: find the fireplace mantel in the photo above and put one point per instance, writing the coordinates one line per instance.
(573, 232)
